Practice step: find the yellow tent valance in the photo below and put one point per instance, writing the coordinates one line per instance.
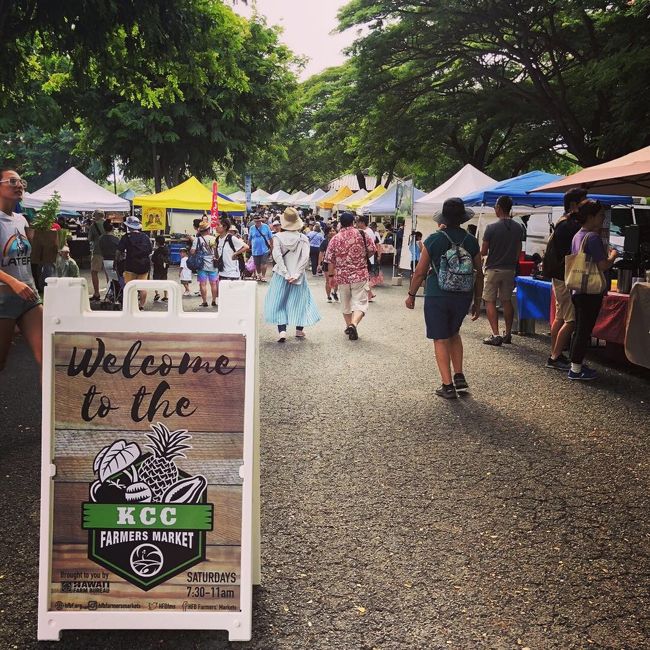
(376, 193)
(328, 204)
(190, 195)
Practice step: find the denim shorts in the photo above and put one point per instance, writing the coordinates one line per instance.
(207, 276)
(444, 315)
(14, 307)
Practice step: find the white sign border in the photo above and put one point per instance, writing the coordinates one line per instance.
(67, 309)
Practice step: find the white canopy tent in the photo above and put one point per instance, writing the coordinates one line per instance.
(310, 199)
(384, 205)
(258, 196)
(343, 205)
(277, 197)
(78, 194)
(467, 180)
(298, 197)
(323, 197)
(464, 182)
(239, 196)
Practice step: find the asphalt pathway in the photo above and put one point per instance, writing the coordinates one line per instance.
(517, 517)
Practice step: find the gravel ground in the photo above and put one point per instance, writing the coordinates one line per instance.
(515, 517)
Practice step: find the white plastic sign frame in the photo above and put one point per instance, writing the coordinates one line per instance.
(67, 311)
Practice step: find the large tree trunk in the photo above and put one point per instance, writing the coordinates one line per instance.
(361, 180)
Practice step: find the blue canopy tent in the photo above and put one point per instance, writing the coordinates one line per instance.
(517, 189)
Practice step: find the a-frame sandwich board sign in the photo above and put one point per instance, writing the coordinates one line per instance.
(150, 463)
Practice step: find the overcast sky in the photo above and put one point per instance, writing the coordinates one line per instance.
(307, 25)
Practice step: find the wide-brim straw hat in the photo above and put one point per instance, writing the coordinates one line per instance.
(453, 212)
(290, 220)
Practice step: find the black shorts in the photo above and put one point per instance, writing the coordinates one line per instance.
(444, 315)
(160, 275)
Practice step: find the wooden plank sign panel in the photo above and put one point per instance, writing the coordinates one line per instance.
(147, 464)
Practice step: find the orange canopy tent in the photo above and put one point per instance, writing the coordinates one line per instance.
(628, 175)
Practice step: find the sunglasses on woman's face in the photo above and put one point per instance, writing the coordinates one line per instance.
(14, 182)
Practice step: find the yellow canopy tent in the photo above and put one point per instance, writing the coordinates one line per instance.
(359, 203)
(328, 204)
(190, 195)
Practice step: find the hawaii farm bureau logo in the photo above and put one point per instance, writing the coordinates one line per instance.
(147, 520)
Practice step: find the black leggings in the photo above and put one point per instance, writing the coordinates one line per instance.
(314, 254)
(587, 308)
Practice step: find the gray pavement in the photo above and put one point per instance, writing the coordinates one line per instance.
(515, 517)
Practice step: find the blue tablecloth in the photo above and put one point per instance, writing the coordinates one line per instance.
(533, 298)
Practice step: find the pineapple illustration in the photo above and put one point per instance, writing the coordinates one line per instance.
(159, 470)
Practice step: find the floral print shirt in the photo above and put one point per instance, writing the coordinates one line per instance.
(347, 252)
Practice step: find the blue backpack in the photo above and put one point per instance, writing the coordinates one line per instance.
(456, 272)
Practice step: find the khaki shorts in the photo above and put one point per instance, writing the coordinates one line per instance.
(498, 282)
(96, 263)
(564, 309)
(129, 276)
(354, 297)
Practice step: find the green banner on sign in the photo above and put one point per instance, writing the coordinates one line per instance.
(147, 516)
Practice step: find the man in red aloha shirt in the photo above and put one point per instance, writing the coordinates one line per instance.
(347, 259)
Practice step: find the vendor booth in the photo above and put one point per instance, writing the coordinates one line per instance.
(239, 196)
(624, 317)
(357, 204)
(258, 196)
(280, 197)
(78, 193)
(345, 203)
(310, 200)
(297, 198)
(185, 202)
(325, 205)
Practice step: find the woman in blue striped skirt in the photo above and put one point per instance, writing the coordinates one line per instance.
(289, 300)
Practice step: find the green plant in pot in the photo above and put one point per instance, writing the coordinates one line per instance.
(45, 241)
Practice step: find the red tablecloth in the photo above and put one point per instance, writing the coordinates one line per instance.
(525, 268)
(610, 325)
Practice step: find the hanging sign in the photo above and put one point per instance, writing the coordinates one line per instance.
(214, 212)
(147, 479)
(248, 186)
(154, 219)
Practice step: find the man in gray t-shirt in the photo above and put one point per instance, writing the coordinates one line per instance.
(502, 246)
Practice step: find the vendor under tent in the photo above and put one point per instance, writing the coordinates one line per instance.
(187, 202)
(357, 204)
(629, 174)
(339, 195)
(385, 205)
(189, 195)
(78, 193)
(345, 203)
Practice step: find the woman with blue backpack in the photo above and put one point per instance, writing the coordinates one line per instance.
(454, 284)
